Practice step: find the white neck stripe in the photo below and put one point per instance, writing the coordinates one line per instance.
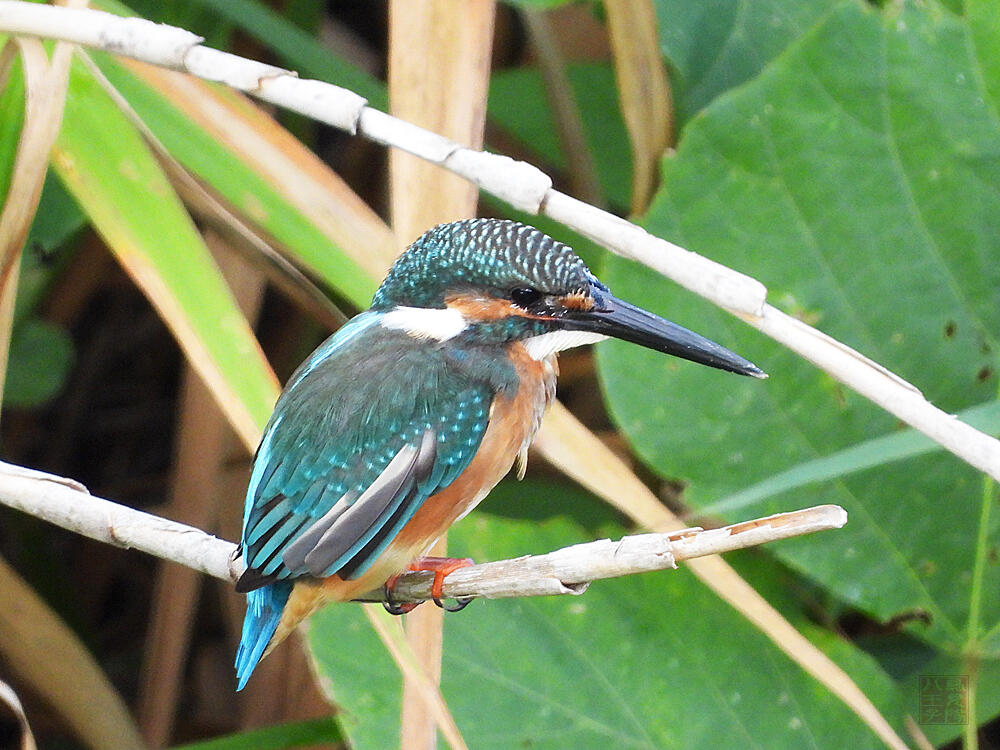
(439, 324)
(546, 344)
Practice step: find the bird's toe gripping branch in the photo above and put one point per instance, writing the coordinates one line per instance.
(442, 567)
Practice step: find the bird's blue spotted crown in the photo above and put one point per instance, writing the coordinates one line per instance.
(481, 253)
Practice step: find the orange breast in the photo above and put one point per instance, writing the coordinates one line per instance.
(513, 423)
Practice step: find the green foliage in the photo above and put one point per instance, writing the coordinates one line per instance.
(652, 661)
(11, 121)
(57, 220)
(717, 45)
(120, 185)
(297, 734)
(867, 454)
(857, 177)
(844, 154)
(244, 188)
(41, 355)
(237, 182)
(57, 223)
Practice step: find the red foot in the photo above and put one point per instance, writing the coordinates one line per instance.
(441, 567)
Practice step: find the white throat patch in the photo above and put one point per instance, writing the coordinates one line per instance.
(439, 324)
(547, 344)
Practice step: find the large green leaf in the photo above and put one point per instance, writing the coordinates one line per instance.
(311, 732)
(41, 354)
(119, 184)
(715, 45)
(859, 178)
(653, 661)
(984, 26)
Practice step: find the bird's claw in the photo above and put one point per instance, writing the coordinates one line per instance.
(393, 607)
(441, 567)
(460, 603)
(401, 608)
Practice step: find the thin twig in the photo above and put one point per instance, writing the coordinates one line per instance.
(570, 570)
(565, 571)
(67, 504)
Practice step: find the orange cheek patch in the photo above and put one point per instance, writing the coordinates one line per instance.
(482, 309)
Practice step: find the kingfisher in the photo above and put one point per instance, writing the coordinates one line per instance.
(402, 421)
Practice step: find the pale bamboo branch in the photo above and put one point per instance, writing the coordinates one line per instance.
(570, 570)
(66, 503)
(520, 184)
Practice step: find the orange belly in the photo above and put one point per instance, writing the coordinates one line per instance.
(513, 423)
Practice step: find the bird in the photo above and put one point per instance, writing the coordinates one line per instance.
(403, 420)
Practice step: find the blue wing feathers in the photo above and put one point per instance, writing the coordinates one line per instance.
(278, 513)
(372, 511)
(338, 427)
(277, 540)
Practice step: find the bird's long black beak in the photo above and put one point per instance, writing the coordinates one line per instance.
(611, 316)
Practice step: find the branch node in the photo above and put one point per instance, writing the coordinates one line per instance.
(676, 536)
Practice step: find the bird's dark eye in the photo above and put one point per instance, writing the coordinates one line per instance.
(525, 296)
